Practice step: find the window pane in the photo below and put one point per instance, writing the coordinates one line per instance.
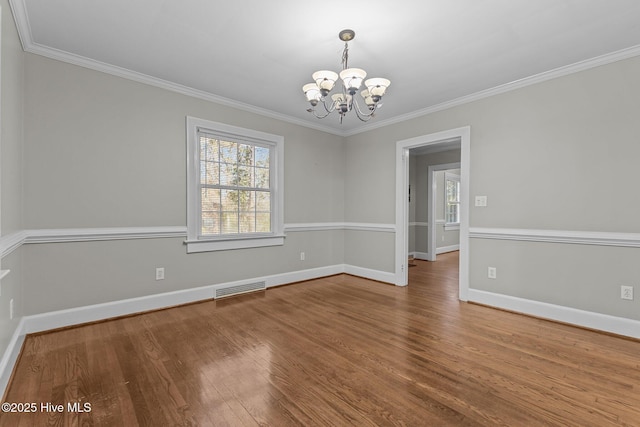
(263, 222)
(229, 222)
(210, 223)
(209, 173)
(208, 149)
(262, 178)
(453, 213)
(228, 174)
(263, 201)
(245, 154)
(246, 200)
(229, 200)
(247, 222)
(451, 191)
(262, 156)
(210, 199)
(228, 152)
(244, 176)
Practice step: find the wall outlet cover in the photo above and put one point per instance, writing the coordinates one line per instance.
(626, 292)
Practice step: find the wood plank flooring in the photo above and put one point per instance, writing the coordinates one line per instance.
(335, 351)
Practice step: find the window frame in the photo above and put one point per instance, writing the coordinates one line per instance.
(196, 242)
(448, 176)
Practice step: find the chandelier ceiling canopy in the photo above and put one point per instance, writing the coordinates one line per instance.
(317, 93)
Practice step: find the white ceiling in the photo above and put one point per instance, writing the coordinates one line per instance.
(257, 54)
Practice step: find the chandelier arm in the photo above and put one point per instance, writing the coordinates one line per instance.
(319, 116)
(362, 115)
(326, 109)
(329, 109)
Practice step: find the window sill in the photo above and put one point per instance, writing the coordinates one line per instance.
(451, 227)
(212, 245)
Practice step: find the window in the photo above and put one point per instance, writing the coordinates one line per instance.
(234, 191)
(451, 199)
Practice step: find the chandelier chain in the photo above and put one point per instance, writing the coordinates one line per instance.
(345, 56)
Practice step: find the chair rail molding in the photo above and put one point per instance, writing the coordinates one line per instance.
(13, 241)
(600, 238)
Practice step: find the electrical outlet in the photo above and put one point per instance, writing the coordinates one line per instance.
(11, 309)
(160, 273)
(492, 273)
(302, 256)
(626, 292)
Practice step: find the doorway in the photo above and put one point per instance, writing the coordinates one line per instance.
(463, 135)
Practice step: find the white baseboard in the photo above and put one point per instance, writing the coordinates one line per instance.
(445, 249)
(74, 316)
(380, 276)
(10, 356)
(422, 255)
(586, 319)
(92, 313)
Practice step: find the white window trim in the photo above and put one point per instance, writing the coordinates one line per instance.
(197, 243)
(450, 226)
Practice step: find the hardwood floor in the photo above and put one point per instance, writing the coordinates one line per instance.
(335, 351)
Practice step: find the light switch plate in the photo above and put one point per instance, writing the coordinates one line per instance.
(481, 201)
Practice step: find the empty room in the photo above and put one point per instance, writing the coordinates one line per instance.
(354, 213)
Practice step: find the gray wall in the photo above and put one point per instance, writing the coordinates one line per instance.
(100, 151)
(557, 155)
(109, 152)
(12, 84)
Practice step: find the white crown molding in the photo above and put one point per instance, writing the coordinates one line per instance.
(587, 64)
(587, 319)
(18, 8)
(24, 31)
(125, 73)
(631, 240)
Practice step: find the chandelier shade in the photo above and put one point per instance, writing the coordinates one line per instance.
(377, 86)
(352, 79)
(312, 92)
(325, 81)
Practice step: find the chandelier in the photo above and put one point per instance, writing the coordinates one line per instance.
(352, 79)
